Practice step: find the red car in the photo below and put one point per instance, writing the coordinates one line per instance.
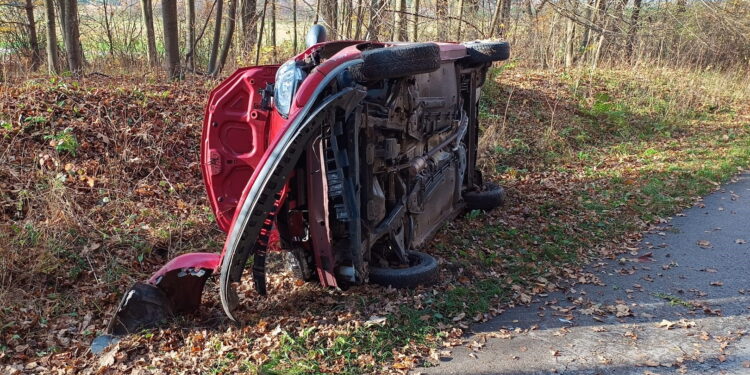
(349, 157)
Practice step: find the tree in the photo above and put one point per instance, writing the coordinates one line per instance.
(416, 20)
(249, 20)
(633, 28)
(171, 43)
(53, 65)
(190, 41)
(402, 34)
(274, 52)
(262, 26)
(329, 11)
(217, 36)
(227, 37)
(36, 58)
(148, 24)
(441, 12)
(72, 38)
(460, 18)
(294, 26)
(376, 18)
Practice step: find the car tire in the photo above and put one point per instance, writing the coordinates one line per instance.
(397, 61)
(423, 271)
(491, 196)
(486, 52)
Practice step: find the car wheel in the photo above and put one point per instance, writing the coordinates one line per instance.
(486, 52)
(423, 270)
(397, 61)
(489, 197)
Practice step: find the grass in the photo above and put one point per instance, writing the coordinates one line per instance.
(674, 300)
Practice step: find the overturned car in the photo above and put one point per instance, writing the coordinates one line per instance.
(348, 157)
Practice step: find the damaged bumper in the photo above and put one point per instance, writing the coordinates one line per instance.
(175, 288)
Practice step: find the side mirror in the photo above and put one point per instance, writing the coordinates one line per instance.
(317, 34)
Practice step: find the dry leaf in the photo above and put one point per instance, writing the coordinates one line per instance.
(704, 244)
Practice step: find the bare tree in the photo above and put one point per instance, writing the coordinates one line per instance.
(294, 25)
(228, 34)
(633, 28)
(249, 18)
(415, 31)
(36, 58)
(569, 35)
(148, 24)
(262, 26)
(171, 41)
(358, 27)
(108, 29)
(460, 18)
(441, 11)
(72, 36)
(402, 34)
(217, 36)
(274, 52)
(190, 35)
(329, 11)
(376, 19)
(53, 65)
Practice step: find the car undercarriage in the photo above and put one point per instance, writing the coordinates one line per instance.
(348, 158)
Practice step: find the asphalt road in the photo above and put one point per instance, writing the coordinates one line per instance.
(684, 309)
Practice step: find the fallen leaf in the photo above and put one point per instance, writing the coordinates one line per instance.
(665, 324)
(704, 244)
(375, 320)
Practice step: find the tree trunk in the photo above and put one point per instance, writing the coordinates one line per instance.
(495, 19)
(569, 36)
(505, 16)
(349, 18)
(294, 26)
(108, 30)
(171, 41)
(36, 58)
(376, 18)
(53, 65)
(633, 28)
(415, 30)
(190, 41)
(274, 52)
(227, 37)
(72, 36)
(588, 19)
(402, 33)
(441, 12)
(217, 36)
(460, 18)
(249, 19)
(262, 26)
(358, 30)
(147, 13)
(329, 11)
